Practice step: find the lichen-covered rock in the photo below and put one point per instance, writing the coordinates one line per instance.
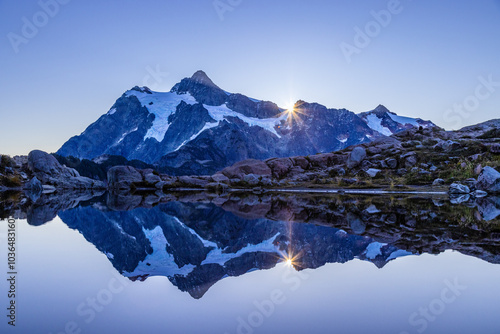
(357, 156)
(489, 180)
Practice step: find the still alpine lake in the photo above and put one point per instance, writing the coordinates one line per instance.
(280, 263)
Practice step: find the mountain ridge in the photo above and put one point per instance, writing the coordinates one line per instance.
(198, 128)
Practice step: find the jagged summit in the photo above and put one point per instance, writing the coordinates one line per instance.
(200, 77)
(381, 109)
(202, 88)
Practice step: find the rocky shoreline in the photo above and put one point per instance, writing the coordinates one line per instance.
(462, 163)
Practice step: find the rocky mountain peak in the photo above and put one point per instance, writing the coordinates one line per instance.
(381, 109)
(201, 77)
(202, 88)
(142, 89)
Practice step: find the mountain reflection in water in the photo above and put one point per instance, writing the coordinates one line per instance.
(196, 239)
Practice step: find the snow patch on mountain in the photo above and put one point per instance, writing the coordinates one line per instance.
(397, 254)
(160, 262)
(375, 123)
(222, 111)
(374, 249)
(206, 127)
(403, 120)
(267, 246)
(162, 105)
(125, 135)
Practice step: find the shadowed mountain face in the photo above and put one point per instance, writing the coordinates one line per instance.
(195, 245)
(198, 128)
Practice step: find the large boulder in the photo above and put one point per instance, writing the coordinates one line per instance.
(280, 167)
(302, 162)
(242, 168)
(489, 180)
(122, 177)
(372, 172)
(410, 159)
(46, 166)
(49, 171)
(357, 156)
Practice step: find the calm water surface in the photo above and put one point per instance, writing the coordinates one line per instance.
(198, 268)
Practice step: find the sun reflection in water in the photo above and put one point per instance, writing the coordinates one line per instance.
(290, 260)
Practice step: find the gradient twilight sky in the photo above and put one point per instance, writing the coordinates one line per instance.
(430, 56)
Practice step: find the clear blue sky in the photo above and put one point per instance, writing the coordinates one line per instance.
(429, 56)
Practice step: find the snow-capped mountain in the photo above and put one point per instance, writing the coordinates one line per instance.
(195, 245)
(198, 128)
(388, 123)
